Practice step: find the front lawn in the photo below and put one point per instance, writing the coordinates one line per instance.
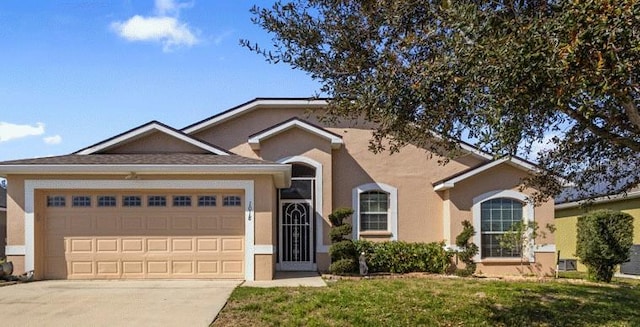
(436, 302)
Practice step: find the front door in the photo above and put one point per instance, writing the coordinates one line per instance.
(296, 235)
(295, 226)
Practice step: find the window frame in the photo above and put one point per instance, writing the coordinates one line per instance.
(126, 197)
(528, 216)
(53, 201)
(205, 201)
(392, 222)
(226, 200)
(101, 204)
(180, 201)
(363, 213)
(156, 201)
(81, 203)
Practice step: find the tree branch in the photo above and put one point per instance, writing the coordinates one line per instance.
(603, 133)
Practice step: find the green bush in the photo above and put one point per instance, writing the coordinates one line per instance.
(343, 267)
(337, 233)
(604, 240)
(467, 249)
(403, 257)
(342, 251)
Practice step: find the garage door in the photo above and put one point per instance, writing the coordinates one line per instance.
(168, 234)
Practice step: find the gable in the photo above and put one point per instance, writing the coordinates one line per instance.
(155, 142)
(149, 138)
(295, 124)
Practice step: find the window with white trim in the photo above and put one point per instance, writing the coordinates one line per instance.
(374, 211)
(497, 216)
(375, 208)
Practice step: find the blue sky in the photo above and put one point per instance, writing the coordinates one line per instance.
(75, 72)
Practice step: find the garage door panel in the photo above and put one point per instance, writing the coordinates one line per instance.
(155, 245)
(182, 245)
(107, 245)
(132, 245)
(81, 268)
(110, 268)
(134, 223)
(207, 244)
(106, 224)
(132, 267)
(140, 242)
(232, 245)
(157, 223)
(81, 245)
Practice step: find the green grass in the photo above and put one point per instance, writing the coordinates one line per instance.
(436, 302)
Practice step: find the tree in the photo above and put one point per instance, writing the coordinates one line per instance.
(466, 249)
(343, 250)
(521, 237)
(604, 240)
(500, 74)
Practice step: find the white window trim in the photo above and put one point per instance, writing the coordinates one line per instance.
(320, 247)
(392, 226)
(247, 185)
(528, 215)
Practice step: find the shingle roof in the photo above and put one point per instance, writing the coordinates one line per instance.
(140, 159)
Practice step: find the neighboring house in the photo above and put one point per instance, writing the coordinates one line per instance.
(248, 192)
(3, 220)
(569, 209)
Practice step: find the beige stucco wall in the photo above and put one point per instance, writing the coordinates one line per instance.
(411, 171)
(503, 177)
(264, 206)
(156, 142)
(567, 219)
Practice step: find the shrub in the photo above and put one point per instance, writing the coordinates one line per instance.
(342, 251)
(343, 267)
(467, 249)
(604, 240)
(403, 257)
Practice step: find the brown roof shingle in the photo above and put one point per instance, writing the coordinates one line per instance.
(140, 159)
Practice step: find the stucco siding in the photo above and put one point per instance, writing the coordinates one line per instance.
(567, 219)
(156, 142)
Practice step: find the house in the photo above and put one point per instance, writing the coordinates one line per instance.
(247, 192)
(3, 220)
(569, 208)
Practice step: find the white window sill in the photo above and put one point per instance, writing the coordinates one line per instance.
(377, 233)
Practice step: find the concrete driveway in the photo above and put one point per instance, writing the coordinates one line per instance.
(113, 303)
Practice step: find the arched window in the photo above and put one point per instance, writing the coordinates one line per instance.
(497, 216)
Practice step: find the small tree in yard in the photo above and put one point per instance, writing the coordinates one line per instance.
(520, 236)
(604, 240)
(467, 249)
(343, 250)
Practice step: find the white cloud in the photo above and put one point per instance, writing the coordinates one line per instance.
(55, 139)
(221, 37)
(164, 28)
(170, 7)
(9, 131)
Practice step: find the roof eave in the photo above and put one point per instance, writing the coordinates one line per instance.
(281, 173)
(251, 105)
(599, 200)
